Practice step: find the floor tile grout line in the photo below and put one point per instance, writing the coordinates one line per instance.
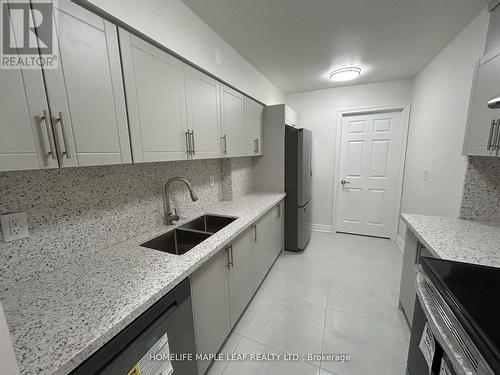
(365, 318)
(238, 343)
(326, 308)
(276, 349)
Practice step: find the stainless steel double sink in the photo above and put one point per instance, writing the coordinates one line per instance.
(182, 239)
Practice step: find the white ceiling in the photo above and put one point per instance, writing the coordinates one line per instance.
(295, 43)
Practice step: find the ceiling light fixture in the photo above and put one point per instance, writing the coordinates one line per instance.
(345, 74)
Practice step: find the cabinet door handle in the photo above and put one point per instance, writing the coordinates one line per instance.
(231, 259)
(224, 144)
(256, 143)
(254, 227)
(493, 144)
(65, 139)
(418, 253)
(188, 144)
(50, 135)
(279, 210)
(497, 136)
(192, 142)
(228, 258)
(490, 137)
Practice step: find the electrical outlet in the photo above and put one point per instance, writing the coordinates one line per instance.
(14, 226)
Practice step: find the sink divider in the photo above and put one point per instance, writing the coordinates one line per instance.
(194, 230)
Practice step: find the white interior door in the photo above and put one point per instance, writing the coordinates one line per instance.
(371, 157)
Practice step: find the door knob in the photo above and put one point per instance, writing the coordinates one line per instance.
(343, 182)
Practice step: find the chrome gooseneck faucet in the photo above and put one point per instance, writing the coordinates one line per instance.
(169, 216)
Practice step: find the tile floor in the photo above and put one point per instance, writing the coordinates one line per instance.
(338, 296)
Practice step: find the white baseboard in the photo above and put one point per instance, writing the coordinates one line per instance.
(399, 242)
(320, 228)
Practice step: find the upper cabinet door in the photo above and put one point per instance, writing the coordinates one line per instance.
(254, 119)
(155, 92)
(233, 127)
(26, 137)
(480, 131)
(86, 92)
(203, 114)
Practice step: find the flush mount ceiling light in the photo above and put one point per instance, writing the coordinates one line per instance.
(345, 74)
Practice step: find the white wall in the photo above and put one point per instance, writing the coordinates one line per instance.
(174, 25)
(318, 111)
(439, 111)
(493, 37)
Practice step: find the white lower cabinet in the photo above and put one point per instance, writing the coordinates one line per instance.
(210, 295)
(240, 275)
(267, 242)
(407, 290)
(222, 288)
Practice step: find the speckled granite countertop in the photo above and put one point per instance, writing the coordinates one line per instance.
(58, 320)
(456, 239)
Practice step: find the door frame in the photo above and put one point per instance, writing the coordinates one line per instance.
(405, 110)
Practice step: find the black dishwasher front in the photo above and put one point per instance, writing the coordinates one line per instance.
(164, 332)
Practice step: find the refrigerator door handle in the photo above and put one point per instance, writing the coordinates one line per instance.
(311, 164)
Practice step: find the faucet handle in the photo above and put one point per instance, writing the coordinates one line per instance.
(175, 216)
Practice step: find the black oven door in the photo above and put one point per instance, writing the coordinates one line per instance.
(424, 353)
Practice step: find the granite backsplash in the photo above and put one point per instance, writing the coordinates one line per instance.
(237, 177)
(77, 211)
(481, 196)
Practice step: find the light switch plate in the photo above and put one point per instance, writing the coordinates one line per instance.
(212, 181)
(218, 56)
(14, 226)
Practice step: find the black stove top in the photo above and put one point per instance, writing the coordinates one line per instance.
(473, 294)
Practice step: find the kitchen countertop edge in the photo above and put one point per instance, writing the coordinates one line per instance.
(457, 239)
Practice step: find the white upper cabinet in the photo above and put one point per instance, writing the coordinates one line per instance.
(233, 125)
(26, 137)
(85, 93)
(203, 114)
(483, 129)
(254, 119)
(155, 92)
(115, 98)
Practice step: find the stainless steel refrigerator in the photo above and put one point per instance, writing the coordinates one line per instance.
(298, 175)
